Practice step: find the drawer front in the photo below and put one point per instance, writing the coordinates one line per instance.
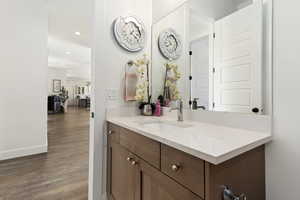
(155, 185)
(184, 168)
(147, 149)
(113, 133)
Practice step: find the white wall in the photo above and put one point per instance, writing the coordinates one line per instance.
(179, 20)
(108, 73)
(199, 27)
(283, 154)
(23, 78)
(161, 8)
(72, 88)
(68, 82)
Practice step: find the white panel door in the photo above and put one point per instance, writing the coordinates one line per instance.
(200, 70)
(238, 61)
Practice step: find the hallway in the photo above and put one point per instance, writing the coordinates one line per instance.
(62, 174)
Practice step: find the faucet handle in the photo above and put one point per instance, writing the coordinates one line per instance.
(174, 106)
(180, 101)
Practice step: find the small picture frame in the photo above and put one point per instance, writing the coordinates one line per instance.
(56, 86)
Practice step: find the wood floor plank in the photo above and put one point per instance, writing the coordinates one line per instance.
(62, 173)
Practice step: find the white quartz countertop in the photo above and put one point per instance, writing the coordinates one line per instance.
(212, 143)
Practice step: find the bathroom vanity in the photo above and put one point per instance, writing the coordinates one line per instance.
(214, 57)
(161, 159)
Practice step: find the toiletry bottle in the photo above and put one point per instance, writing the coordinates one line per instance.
(161, 101)
(158, 109)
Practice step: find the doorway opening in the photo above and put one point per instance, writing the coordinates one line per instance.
(69, 94)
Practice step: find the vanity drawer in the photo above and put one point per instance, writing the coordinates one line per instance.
(184, 168)
(147, 149)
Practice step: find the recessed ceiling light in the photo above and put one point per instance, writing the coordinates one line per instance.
(77, 33)
(68, 52)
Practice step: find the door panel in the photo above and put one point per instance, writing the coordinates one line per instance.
(200, 71)
(123, 174)
(238, 61)
(236, 74)
(155, 185)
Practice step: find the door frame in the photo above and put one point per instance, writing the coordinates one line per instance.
(211, 32)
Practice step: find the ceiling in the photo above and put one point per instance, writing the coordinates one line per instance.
(199, 27)
(66, 49)
(242, 3)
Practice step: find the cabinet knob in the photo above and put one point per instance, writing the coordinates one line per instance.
(110, 132)
(175, 168)
(129, 159)
(134, 163)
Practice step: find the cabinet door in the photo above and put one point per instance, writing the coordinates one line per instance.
(154, 185)
(121, 174)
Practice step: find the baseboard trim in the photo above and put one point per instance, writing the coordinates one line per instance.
(16, 153)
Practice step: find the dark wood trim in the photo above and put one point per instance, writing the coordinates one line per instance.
(207, 180)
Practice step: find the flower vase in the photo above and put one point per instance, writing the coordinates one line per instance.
(147, 110)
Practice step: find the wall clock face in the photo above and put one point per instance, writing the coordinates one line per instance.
(170, 44)
(130, 33)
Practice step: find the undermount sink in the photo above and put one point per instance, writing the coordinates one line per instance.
(159, 123)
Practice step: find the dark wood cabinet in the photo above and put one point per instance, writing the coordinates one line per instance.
(142, 169)
(131, 178)
(185, 169)
(244, 174)
(154, 185)
(123, 179)
(143, 147)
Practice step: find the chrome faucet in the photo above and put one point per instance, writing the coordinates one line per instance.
(179, 109)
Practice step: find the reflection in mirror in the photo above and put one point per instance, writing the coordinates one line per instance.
(221, 65)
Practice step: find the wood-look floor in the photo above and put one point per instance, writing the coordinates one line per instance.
(62, 173)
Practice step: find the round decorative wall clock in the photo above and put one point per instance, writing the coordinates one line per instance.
(130, 33)
(170, 44)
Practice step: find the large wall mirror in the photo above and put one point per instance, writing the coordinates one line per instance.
(215, 55)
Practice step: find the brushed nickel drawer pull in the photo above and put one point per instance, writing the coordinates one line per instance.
(175, 168)
(129, 159)
(134, 163)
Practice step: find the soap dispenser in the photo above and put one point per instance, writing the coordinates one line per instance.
(157, 109)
